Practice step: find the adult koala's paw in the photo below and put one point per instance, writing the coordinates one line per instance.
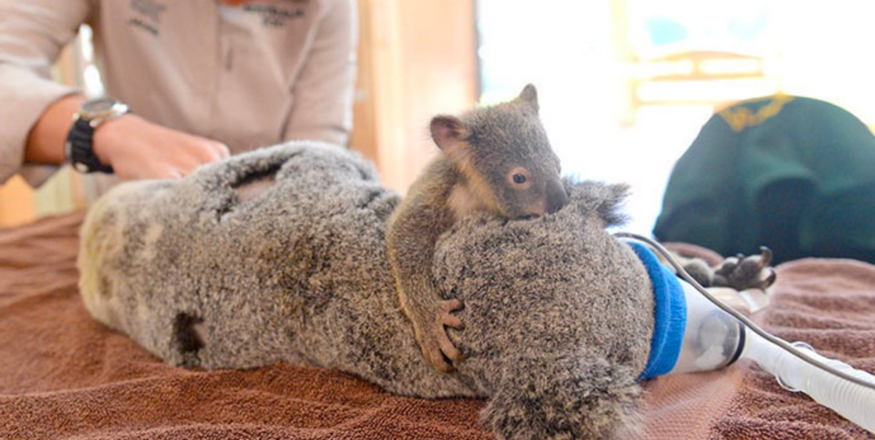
(741, 273)
(699, 269)
(563, 398)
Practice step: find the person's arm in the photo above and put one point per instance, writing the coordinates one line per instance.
(324, 90)
(32, 34)
(134, 147)
(37, 113)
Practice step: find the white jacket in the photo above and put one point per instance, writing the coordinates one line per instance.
(249, 76)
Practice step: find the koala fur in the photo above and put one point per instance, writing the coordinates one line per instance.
(200, 272)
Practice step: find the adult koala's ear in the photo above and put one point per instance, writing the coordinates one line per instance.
(529, 95)
(604, 201)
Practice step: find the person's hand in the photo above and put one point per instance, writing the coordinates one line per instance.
(139, 149)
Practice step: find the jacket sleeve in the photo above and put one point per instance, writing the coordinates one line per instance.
(32, 34)
(323, 93)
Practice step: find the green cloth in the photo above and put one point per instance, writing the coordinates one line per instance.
(795, 174)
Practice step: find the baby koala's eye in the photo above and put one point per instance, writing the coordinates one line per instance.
(519, 178)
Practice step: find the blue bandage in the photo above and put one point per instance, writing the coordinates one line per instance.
(670, 315)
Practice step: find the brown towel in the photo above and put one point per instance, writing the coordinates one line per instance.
(63, 375)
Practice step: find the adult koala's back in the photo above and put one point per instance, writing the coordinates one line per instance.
(205, 272)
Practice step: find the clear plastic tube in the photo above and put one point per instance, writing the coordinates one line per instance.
(708, 340)
(712, 339)
(854, 402)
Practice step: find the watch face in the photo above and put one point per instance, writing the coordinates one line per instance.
(98, 106)
(97, 111)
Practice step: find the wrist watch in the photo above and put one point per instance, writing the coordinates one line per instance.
(80, 140)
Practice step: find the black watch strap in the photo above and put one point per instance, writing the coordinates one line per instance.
(80, 149)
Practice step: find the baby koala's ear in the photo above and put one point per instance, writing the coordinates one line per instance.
(529, 95)
(448, 133)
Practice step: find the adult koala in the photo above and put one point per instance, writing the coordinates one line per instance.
(278, 255)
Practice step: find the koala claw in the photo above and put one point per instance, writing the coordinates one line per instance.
(742, 272)
(765, 263)
(449, 320)
(767, 256)
(436, 344)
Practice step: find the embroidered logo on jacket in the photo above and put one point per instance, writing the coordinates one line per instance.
(148, 15)
(273, 15)
(741, 117)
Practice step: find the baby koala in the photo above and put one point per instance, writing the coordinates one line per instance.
(494, 160)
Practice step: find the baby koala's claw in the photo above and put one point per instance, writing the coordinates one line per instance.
(436, 344)
(449, 320)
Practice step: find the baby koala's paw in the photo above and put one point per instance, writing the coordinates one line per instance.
(433, 339)
(746, 272)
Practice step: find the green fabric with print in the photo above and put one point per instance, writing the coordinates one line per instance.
(795, 174)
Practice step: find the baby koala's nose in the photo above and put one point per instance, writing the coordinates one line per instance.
(556, 196)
